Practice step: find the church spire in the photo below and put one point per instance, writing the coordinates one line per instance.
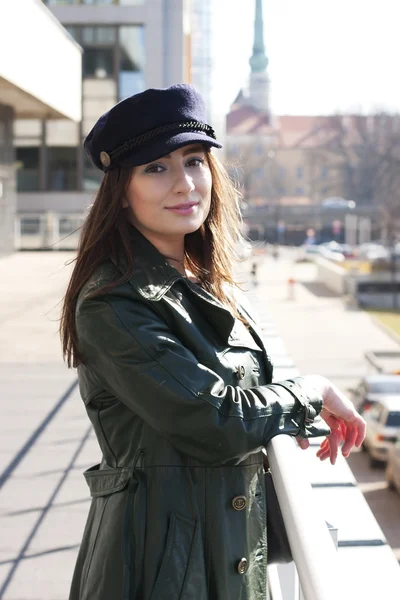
(259, 82)
(259, 60)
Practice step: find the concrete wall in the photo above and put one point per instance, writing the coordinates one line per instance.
(331, 275)
(7, 181)
(57, 202)
(38, 60)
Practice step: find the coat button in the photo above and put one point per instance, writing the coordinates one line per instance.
(240, 372)
(239, 502)
(242, 567)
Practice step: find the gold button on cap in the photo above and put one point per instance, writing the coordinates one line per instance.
(241, 372)
(105, 159)
(242, 567)
(239, 502)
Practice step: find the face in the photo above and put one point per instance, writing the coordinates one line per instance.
(171, 196)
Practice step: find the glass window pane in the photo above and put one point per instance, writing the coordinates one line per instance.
(55, 2)
(98, 62)
(132, 59)
(30, 226)
(28, 172)
(99, 1)
(74, 31)
(92, 176)
(61, 168)
(131, 2)
(102, 36)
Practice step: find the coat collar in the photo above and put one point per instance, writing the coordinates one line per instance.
(152, 275)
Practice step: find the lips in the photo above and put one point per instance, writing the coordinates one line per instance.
(184, 206)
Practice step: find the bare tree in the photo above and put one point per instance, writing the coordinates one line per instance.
(363, 154)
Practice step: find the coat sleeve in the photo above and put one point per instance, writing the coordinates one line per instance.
(136, 358)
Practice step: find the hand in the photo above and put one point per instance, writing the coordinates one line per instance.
(346, 424)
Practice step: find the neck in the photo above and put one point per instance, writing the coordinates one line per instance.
(172, 248)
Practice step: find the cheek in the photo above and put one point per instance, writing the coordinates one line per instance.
(204, 184)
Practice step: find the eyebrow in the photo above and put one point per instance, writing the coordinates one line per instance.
(191, 150)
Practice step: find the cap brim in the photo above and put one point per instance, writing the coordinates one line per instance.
(159, 147)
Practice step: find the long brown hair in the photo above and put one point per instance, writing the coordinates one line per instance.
(210, 252)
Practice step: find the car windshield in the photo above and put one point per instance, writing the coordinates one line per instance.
(393, 419)
(385, 387)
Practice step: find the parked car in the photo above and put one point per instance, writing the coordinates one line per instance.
(383, 426)
(373, 252)
(392, 473)
(336, 251)
(373, 388)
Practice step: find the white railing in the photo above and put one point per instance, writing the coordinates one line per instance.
(314, 551)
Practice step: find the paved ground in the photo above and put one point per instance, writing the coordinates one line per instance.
(45, 442)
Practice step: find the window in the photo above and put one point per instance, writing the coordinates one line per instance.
(28, 179)
(68, 225)
(61, 168)
(259, 149)
(282, 172)
(324, 173)
(95, 2)
(299, 191)
(393, 419)
(299, 172)
(91, 175)
(98, 57)
(30, 226)
(131, 60)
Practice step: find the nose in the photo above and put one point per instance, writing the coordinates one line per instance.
(183, 183)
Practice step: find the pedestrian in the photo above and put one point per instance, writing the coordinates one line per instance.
(275, 251)
(253, 273)
(172, 368)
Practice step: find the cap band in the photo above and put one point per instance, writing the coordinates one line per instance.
(129, 145)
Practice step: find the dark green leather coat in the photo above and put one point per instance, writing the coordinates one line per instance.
(181, 401)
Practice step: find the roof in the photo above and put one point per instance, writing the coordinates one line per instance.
(247, 120)
(302, 131)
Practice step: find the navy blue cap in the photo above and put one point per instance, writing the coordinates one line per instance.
(149, 125)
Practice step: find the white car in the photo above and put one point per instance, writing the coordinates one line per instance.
(383, 426)
(393, 466)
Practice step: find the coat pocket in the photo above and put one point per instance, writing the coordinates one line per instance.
(181, 575)
(103, 482)
(104, 533)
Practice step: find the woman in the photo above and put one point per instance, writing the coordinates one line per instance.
(173, 371)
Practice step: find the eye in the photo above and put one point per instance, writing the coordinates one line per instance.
(195, 162)
(154, 169)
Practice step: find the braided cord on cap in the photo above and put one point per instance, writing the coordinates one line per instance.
(133, 143)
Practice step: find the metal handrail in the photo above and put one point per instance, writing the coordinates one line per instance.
(313, 550)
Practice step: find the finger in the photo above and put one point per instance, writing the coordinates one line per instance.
(323, 447)
(334, 440)
(304, 444)
(361, 430)
(351, 436)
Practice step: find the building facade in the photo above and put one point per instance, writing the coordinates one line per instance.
(128, 45)
(32, 89)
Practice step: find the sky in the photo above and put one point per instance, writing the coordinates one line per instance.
(325, 55)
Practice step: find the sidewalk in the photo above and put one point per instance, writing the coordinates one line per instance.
(320, 334)
(46, 442)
